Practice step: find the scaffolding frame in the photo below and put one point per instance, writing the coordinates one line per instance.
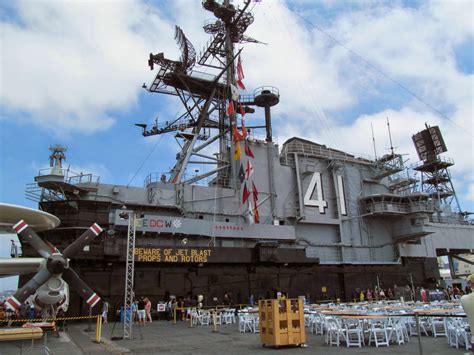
(129, 277)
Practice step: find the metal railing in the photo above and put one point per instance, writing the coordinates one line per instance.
(258, 91)
(308, 149)
(73, 177)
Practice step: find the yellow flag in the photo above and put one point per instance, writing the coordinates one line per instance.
(237, 151)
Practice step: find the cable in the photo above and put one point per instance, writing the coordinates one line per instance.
(305, 91)
(376, 69)
(144, 161)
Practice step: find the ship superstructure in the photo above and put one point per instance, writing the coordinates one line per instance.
(302, 218)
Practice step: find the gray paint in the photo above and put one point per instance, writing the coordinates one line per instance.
(357, 237)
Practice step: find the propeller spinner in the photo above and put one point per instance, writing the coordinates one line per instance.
(56, 264)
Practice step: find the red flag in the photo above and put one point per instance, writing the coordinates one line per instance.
(230, 108)
(242, 113)
(240, 75)
(236, 136)
(245, 193)
(248, 170)
(255, 193)
(256, 215)
(248, 152)
(244, 130)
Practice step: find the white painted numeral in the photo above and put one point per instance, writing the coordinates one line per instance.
(342, 198)
(315, 185)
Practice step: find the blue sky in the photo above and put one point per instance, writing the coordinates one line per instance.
(71, 73)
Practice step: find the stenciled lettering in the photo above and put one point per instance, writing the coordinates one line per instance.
(172, 255)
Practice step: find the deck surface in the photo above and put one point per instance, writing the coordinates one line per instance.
(165, 338)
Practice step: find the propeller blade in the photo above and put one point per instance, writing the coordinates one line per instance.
(82, 241)
(14, 302)
(28, 235)
(81, 287)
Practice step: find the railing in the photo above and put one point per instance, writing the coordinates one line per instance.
(323, 152)
(459, 219)
(437, 160)
(72, 177)
(165, 176)
(394, 207)
(258, 91)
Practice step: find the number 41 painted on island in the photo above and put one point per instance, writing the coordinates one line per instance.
(315, 184)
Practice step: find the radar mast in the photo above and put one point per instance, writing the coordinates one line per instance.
(211, 100)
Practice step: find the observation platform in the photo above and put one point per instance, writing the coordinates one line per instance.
(432, 166)
(382, 205)
(55, 186)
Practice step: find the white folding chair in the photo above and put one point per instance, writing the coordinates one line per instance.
(216, 318)
(378, 332)
(205, 318)
(438, 327)
(241, 322)
(196, 317)
(464, 336)
(334, 332)
(396, 329)
(412, 326)
(354, 333)
(256, 323)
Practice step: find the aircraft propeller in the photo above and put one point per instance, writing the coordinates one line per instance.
(56, 264)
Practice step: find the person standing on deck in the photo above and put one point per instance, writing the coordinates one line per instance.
(105, 310)
(147, 310)
(467, 302)
(141, 311)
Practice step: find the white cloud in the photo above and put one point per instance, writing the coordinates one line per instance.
(470, 192)
(413, 46)
(79, 60)
(69, 63)
(293, 61)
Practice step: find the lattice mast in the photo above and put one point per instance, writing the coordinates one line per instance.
(204, 97)
(434, 168)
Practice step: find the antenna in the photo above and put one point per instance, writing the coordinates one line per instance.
(373, 140)
(390, 136)
(210, 108)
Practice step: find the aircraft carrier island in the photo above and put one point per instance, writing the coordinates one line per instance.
(301, 218)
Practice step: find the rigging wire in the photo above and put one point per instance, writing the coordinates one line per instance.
(145, 160)
(149, 154)
(305, 91)
(381, 72)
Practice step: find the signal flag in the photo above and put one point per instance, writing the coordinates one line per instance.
(255, 192)
(237, 151)
(245, 193)
(248, 152)
(241, 173)
(240, 74)
(248, 170)
(230, 108)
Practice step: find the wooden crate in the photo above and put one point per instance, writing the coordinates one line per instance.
(281, 322)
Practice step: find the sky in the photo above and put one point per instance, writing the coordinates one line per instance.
(71, 73)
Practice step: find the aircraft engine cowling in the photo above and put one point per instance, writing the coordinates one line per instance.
(52, 292)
